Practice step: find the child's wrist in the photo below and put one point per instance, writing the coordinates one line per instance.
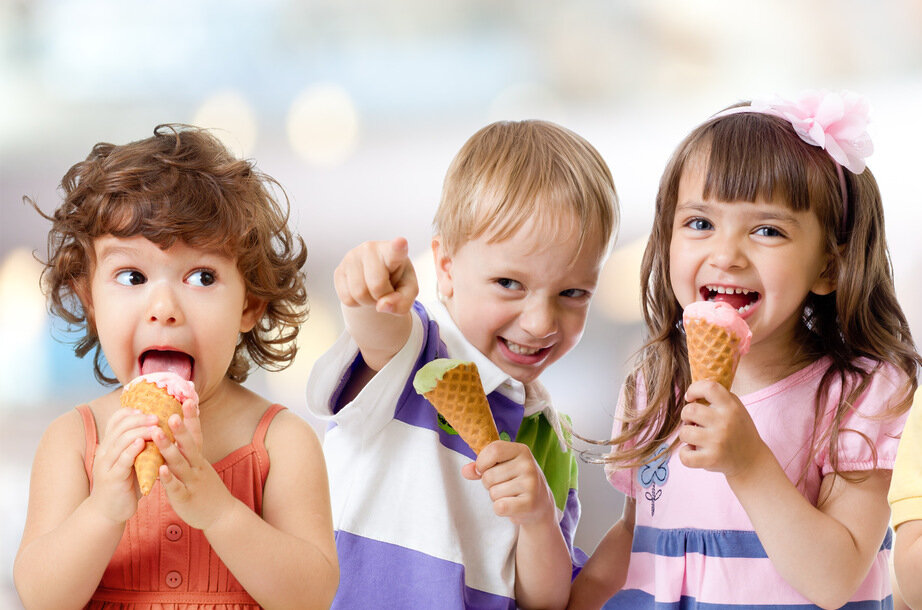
(753, 469)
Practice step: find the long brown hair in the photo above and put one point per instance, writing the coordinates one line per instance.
(750, 156)
(183, 185)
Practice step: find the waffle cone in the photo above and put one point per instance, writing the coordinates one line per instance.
(459, 397)
(713, 352)
(150, 398)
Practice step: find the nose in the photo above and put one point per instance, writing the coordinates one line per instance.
(728, 252)
(164, 307)
(539, 318)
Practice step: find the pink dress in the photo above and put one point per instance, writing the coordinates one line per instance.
(694, 545)
(163, 564)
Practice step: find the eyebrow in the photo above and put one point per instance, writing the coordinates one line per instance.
(111, 251)
(774, 213)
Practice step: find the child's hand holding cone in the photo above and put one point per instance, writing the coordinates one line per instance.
(160, 394)
(718, 436)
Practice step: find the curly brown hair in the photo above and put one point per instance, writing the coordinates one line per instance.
(858, 326)
(181, 184)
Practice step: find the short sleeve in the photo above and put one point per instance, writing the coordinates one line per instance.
(867, 428)
(620, 478)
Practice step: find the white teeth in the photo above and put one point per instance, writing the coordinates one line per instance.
(728, 290)
(731, 290)
(515, 348)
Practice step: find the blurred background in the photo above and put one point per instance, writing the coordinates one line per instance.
(357, 108)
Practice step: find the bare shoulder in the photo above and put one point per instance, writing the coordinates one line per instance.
(63, 445)
(291, 433)
(65, 435)
(297, 480)
(287, 433)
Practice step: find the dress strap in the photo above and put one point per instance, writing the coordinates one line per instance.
(259, 438)
(89, 430)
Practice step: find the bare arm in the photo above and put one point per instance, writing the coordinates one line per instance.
(69, 531)
(376, 285)
(542, 565)
(606, 571)
(823, 551)
(907, 562)
(285, 558)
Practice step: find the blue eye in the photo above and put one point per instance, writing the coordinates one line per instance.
(202, 277)
(700, 224)
(769, 231)
(574, 293)
(130, 277)
(505, 282)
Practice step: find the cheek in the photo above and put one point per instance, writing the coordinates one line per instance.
(574, 324)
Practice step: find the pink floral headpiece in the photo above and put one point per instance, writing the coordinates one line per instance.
(835, 122)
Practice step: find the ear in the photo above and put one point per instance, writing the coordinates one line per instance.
(443, 262)
(253, 310)
(828, 278)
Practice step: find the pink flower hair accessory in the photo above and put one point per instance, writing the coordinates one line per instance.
(835, 122)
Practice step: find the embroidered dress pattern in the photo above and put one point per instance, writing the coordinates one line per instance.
(655, 472)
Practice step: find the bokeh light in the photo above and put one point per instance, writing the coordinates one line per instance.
(618, 295)
(23, 320)
(317, 335)
(231, 119)
(323, 125)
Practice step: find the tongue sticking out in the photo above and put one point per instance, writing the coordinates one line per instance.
(173, 362)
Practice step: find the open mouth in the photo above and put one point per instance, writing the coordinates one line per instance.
(521, 350)
(523, 353)
(741, 299)
(160, 361)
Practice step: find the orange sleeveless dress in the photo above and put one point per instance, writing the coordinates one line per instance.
(163, 564)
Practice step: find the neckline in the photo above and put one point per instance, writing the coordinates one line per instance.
(796, 378)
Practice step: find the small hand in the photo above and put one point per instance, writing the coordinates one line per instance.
(515, 482)
(720, 436)
(377, 273)
(114, 489)
(195, 490)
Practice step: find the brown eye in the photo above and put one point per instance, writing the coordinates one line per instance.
(202, 277)
(130, 277)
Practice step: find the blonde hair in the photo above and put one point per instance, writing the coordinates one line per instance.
(509, 172)
(181, 184)
(749, 156)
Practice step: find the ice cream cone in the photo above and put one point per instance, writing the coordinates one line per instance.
(455, 390)
(716, 338)
(149, 394)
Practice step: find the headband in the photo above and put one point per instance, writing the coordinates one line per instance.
(835, 122)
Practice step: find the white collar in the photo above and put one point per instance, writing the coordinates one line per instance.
(493, 377)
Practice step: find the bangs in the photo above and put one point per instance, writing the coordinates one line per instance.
(197, 222)
(754, 156)
(549, 209)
